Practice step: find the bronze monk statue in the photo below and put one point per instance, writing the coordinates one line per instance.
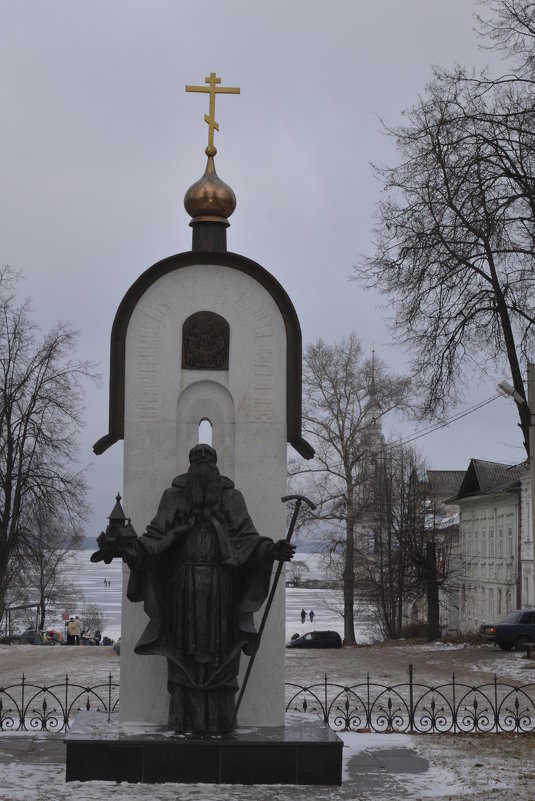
(202, 570)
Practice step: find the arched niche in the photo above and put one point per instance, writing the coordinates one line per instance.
(208, 400)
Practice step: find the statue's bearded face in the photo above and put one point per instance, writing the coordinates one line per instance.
(203, 484)
(202, 453)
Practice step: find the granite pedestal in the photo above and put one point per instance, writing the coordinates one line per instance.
(301, 752)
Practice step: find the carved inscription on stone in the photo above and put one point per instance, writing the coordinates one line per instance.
(261, 326)
(147, 356)
(147, 386)
(205, 342)
(263, 367)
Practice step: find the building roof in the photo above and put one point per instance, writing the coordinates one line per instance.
(445, 483)
(485, 478)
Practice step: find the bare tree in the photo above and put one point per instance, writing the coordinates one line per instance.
(509, 27)
(407, 557)
(92, 619)
(344, 397)
(383, 561)
(296, 573)
(40, 415)
(42, 557)
(455, 236)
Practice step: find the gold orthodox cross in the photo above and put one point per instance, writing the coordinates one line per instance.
(213, 88)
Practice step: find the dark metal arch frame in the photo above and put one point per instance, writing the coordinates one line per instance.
(235, 262)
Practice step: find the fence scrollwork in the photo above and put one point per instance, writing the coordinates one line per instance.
(31, 707)
(410, 707)
(416, 708)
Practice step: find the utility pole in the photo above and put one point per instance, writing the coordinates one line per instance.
(531, 407)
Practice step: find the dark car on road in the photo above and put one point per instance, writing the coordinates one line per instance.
(28, 637)
(316, 639)
(516, 630)
(488, 631)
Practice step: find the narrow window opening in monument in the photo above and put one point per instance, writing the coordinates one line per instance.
(205, 432)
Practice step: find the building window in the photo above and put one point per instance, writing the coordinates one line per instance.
(509, 542)
(491, 543)
(500, 543)
(483, 543)
(205, 432)
(476, 543)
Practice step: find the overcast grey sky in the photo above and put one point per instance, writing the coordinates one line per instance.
(99, 142)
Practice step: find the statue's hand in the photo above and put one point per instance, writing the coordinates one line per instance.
(104, 553)
(282, 551)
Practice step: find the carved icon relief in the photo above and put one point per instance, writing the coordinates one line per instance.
(205, 342)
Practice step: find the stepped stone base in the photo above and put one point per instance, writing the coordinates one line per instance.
(302, 752)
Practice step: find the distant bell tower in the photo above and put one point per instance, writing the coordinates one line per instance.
(372, 418)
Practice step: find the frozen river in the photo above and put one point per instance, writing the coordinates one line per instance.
(101, 584)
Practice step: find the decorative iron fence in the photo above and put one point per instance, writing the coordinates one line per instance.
(410, 707)
(415, 708)
(51, 708)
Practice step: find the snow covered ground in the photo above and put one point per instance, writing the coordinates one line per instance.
(97, 583)
(480, 766)
(458, 767)
(102, 585)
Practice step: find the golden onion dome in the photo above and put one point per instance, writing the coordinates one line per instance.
(210, 198)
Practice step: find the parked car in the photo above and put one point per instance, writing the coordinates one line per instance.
(516, 630)
(316, 639)
(28, 637)
(488, 631)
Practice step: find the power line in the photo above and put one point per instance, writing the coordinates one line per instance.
(443, 424)
(435, 426)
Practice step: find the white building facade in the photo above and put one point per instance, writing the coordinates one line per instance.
(495, 550)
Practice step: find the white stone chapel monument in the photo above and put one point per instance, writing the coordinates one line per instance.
(206, 336)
